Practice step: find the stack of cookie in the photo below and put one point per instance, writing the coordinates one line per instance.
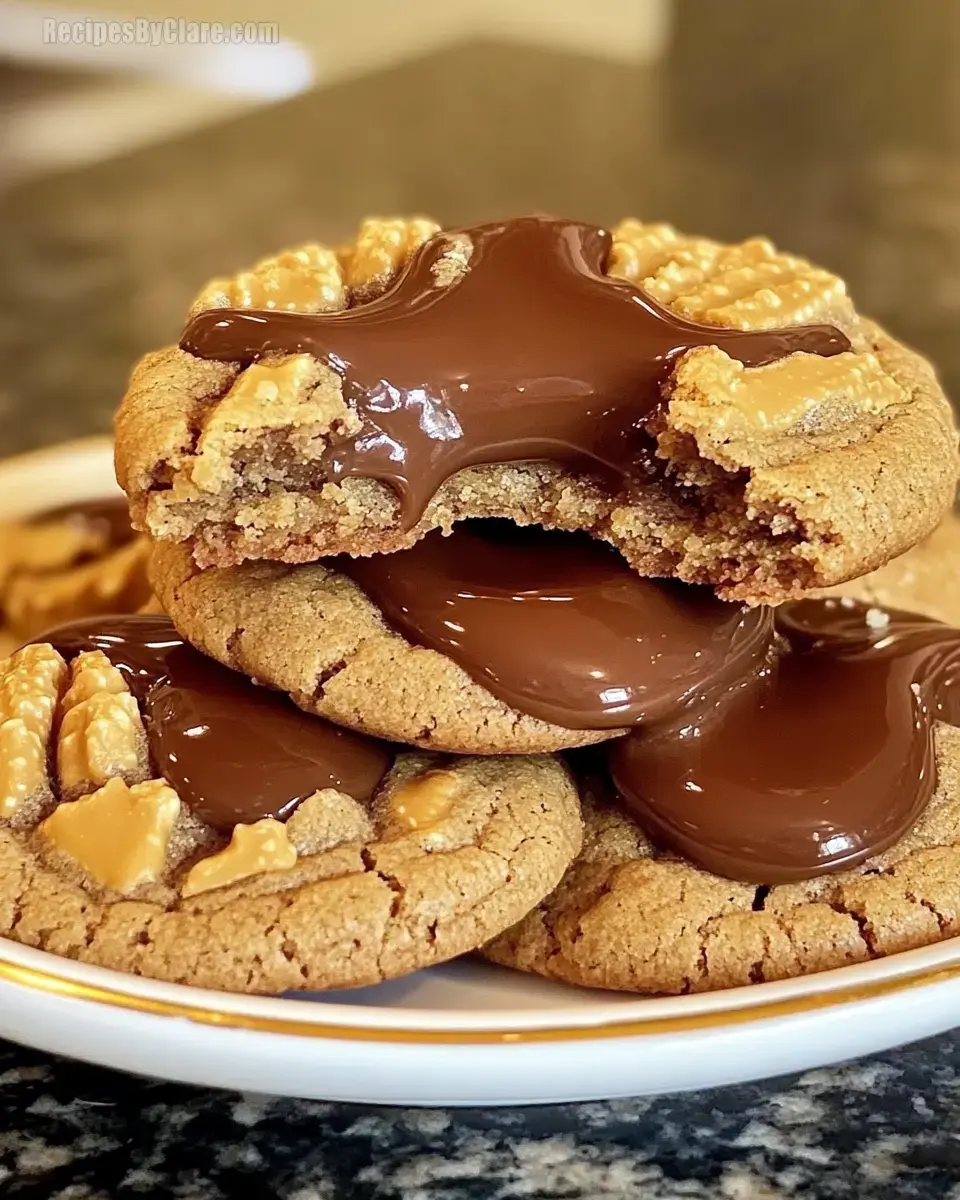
(494, 565)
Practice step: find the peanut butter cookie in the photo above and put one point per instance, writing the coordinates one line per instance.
(162, 816)
(492, 640)
(812, 824)
(719, 413)
(630, 918)
(925, 580)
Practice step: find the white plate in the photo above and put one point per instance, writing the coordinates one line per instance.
(466, 1033)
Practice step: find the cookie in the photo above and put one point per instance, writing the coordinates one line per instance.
(67, 563)
(493, 640)
(631, 918)
(668, 394)
(808, 825)
(925, 580)
(270, 851)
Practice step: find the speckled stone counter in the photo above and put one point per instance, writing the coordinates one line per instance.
(873, 1130)
(832, 126)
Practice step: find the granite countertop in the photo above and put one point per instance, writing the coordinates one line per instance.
(830, 126)
(872, 1130)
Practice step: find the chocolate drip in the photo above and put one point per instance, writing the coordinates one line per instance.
(827, 763)
(557, 625)
(234, 752)
(534, 354)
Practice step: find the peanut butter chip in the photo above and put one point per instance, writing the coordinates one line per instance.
(99, 738)
(658, 258)
(382, 247)
(426, 800)
(784, 394)
(119, 835)
(30, 684)
(308, 279)
(747, 286)
(101, 733)
(23, 760)
(253, 850)
(92, 672)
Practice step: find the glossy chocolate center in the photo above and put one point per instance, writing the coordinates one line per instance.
(534, 353)
(827, 762)
(557, 626)
(233, 751)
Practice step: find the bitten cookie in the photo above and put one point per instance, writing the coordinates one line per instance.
(925, 580)
(762, 480)
(629, 918)
(103, 860)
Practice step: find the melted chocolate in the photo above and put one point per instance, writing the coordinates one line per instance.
(107, 520)
(557, 625)
(827, 763)
(533, 354)
(234, 752)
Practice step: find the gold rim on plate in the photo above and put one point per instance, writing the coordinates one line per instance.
(57, 985)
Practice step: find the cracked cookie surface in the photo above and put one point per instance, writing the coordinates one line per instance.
(629, 918)
(769, 481)
(102, 861)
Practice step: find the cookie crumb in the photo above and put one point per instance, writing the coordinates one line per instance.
(876, 618)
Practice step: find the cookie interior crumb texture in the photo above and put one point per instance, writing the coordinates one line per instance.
(769, 481)
(446, 854)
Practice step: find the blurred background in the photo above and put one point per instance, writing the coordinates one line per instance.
(146, 147)
(83, 81)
